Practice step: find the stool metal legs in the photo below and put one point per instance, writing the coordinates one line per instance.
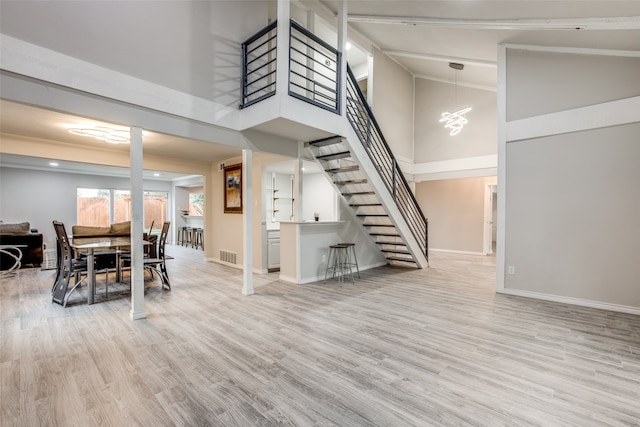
(352, 262)
(184, 236)
(338, 263)
(191, 236)
(197, 238)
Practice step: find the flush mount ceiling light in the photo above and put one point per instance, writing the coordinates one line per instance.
(102, 133)
(456, 120)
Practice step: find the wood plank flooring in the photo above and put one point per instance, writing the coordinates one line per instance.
(399, 347)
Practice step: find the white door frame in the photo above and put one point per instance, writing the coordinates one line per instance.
(489, 190)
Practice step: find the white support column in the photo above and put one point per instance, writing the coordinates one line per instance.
(247, 221)
(137, 218)
(297, 187)
(282, 50)
(342, 47)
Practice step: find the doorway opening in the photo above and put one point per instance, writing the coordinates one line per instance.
(490, 218)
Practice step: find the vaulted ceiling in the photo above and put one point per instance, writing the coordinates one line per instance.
(424, 36)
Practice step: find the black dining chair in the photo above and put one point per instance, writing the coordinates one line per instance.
(73, 264)
(156, 264)
(68, 266)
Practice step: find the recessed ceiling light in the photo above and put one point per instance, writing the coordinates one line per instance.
(53, 164)
(156, 174)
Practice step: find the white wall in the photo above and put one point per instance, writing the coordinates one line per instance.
(433, 142)
(319, 196)
(197, 54)
(455, 210)
(571, 193)
(40, 197)
(393, 104)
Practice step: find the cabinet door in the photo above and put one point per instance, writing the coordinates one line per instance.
(273, 253)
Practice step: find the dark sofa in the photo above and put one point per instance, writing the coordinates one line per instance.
(20, 234)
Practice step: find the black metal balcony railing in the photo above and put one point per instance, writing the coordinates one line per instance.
(314, 69)
(365, 126)
(259, 66)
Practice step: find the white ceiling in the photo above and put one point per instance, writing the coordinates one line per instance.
(31, 122)
(423, 36)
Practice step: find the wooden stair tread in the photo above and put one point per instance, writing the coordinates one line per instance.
(351, 181)
(357, 205)
(385, 234)
(334, 156)
(395, 251)
(382, 242)
(326, 141)
(360, 193)
(379, 215)
(343, 169)
(401, 259)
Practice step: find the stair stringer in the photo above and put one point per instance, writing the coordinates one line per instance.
(370, 172)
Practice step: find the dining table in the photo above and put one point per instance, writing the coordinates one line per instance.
(90, 245)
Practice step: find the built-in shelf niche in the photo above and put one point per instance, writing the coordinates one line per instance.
(282, 202)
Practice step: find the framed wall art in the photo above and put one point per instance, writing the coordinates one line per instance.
(233, 189)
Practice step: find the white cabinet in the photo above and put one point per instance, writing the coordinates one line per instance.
(273, 249)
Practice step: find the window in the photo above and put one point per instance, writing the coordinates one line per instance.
(93, 207)
(102, 207)
(196, 204)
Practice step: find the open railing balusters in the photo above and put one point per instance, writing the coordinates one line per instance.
(366, 127)
(314, 69)
(259, 66)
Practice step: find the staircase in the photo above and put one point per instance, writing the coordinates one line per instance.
(360, 162)
(338, 160)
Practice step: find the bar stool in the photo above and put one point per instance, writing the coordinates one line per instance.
(354, 262)
(184, 236)
(197, 238)
(338, 263)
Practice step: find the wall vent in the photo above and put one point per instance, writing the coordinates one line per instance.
(228, 256)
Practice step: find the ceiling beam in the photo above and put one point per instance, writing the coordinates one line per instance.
(614, 23)
(441, 58)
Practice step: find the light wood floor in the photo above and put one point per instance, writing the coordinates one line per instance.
(397, 348)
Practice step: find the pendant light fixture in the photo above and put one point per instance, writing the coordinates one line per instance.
(456, 120)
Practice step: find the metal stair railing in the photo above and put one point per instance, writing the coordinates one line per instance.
(366, 127)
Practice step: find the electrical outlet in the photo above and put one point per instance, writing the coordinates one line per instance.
(511, 269)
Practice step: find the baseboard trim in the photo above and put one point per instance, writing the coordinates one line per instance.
(453, 251)
(228, 264)
(288, 279)
(573, 301)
